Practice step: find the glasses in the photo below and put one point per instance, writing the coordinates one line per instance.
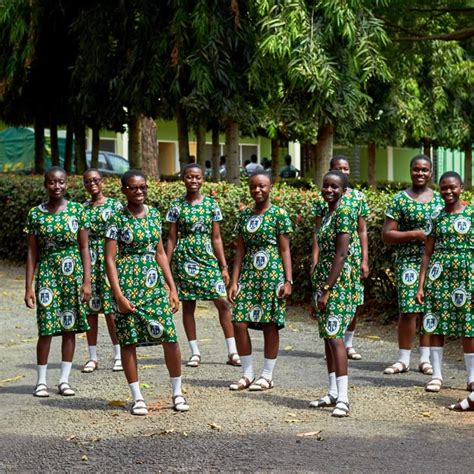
(88, 182)
(143, 188)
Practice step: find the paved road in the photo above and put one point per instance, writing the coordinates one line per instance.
(394, 424)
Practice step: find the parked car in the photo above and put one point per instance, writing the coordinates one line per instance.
(109, 163)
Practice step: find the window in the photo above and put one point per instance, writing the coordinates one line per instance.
(117, 163)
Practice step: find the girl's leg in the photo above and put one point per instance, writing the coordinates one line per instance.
(91, 364)
(225, 318)
(339, 355)
(468, 348)
(349, 338)
(425, 343)
(42, 352)
(244, 347)
(130, 367)
(331, 397)
(271, 338)
(436, 353)
(173, 363)
(68, 346)
(189, 323)
(110, 320)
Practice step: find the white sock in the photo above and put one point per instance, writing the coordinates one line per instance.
(231, 347)
(176, 385)
(65, 371)
(332, 384)
(117, 353)
(268, 366)
(465, 402)
(93, 353)
(342, 385)
(247, 366)
(194, 347)
(41, 374)
(404, 356)
(469, 361)
(436, 354)
(348, 337)
(136, 393)
(424, 354)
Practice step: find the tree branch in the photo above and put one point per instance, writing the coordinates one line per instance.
(453, 36)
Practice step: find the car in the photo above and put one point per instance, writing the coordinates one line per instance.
(110, 164)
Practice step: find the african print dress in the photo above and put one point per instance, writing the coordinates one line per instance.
(262, 275)
(196, 269)
(59, 276)
(141, 279)
(357, 202)
(409, 215)
(102, 298)
(342, 303)
(449, 283)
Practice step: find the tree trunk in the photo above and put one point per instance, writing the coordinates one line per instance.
(80, 161)
(275, 159)
(323, 151)
(183, 137)
(232, 151)
(150, 148)
(95, 147)
(201, 143)
(53, 138)
(216, 151)
(427, 147)
(134, 142)
(39, 147)
(371, 165)
(68, 149)
(468, 167)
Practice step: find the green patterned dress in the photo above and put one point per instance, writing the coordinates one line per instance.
(262, 275)
(59, 276)
(342, 302)
(409, 215)
(102, 298)
(196, 269)
(449, 283)
(357, 201)
(141, 279)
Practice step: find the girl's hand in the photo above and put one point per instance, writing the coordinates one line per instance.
(232, 293)
(420, 235)
(174, 301)
(420, 297)
(323, 301)
(124, 306)
(30, 299)
(86, 292)
(364, 270)
(225, 276)
(285, 290)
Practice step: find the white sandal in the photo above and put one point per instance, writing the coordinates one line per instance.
(261, 384)
(341, 410)
(90, 366)
(41, 391)
(194, 361)
(326, 401)
(65, 390)
(397, 368)
(434, 385)
(139, 408)
(180, 403)
(117, 366)
(353, 354)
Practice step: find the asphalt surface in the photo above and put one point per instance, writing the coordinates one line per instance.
(394, 425)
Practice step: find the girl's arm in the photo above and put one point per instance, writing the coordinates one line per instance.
(31, 261)
(391, 234)
(219, 251)
(172, 239)
(284, 246)
(425, 261)
(83, 242)
(342, 248)
(163, 262)
(124, 306)
(315, 246)
(364, 243)
(239, 256)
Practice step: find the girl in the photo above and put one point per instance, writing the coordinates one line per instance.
(199, 262)
(144, 311)
(359, 249)
(334, 285)
(406, 223)
(447, 292)
(98, 209)
(57, 243)
(261, 280)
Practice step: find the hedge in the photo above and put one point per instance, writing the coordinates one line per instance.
(20, 193)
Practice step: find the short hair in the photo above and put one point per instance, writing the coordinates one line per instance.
(222, 159)
(451, 174)
(260, 173)
(288, 159)
(54, 169)
(253, 158)
(92, 170)
(341, 175)
(337, 158)
(191, 166)
(208, 163)
(420, 158)
(131, 174)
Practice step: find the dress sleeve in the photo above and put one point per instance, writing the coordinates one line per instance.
(364, 206)
(83, 218)
(113, 226)
(284, 224)
(216, 212)
(344, 221)
(30, 224)
(393, 210)
(173, 212)
(319, 207)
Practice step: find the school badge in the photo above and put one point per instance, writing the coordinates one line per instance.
(73, 224)
(45, 297)
(127, 235)
(260, 260)
(409, 276)
(105, 214)
(67, 319)
(220, 288)
(435, 271)
(151, 278)
(155, 329)
(67, 266)
(462, 225)
(254, 223)
(95, 303)
(191, 268)
(256, 313)
(430, 322)
(459, 297)
(332, 325)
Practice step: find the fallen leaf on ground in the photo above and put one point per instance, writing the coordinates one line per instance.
(374, 338)
(426, 414)
(288, 348)
(185, 434)
(291, 414)
(84, 457)
(310, 434)
(149, 366)
(71, 437)
(144, 385)
(12, 379)
(17, 326)
(29, 339)
(214, 426)
(116, 403)
(159, 433)
(294, 420)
